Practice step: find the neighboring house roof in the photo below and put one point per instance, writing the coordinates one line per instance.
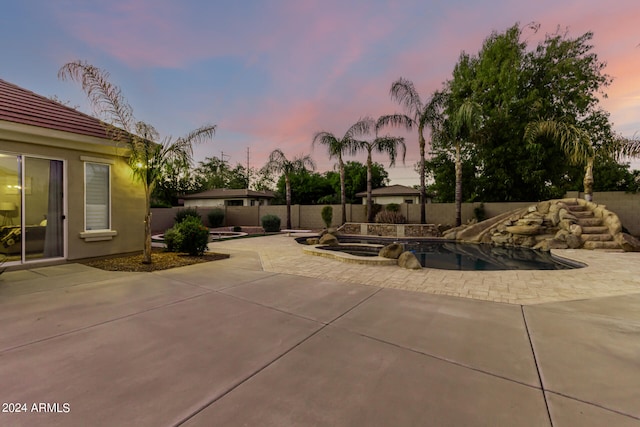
(227, 193)
(392, 190)
(22, 106)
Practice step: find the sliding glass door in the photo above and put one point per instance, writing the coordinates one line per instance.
(33, 208)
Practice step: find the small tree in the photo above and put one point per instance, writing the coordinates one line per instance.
(147, 158)
(390, 145)
(327, 215)
(278, 163)
(338, 147)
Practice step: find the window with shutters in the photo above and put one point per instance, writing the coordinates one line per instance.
(97, 196)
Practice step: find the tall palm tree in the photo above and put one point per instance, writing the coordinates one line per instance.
(278, 163)
(387, 144)
(464, 126)
(338, 147)
(574, 141)
(147, 157)
(419, 114)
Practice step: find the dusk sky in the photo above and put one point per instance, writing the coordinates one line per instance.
(270, 74)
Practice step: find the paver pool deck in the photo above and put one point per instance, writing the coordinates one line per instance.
(274, 337)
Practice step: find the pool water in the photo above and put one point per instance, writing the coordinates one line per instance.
(449, 255)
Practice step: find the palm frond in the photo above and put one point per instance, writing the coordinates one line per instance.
(333, 144)
(106, 99)
(575, 142)
(395, 120)
(404, 92)
(467, 117)
(362, 127)
(629, 147)
(390, 145)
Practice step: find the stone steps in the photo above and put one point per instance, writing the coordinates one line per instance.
(599, 229)
(596, 237)
(589, 222)
(601, 245)
(582, 214)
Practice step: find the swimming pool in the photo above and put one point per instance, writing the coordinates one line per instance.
(450, 255)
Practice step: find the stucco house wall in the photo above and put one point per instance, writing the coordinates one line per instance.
(126, 233)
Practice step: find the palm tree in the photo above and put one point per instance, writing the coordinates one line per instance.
(338, 147)
(419, 114)
(574, 141)
(147, 157)
(278, 163)
(381, 144)
(465, 122)
(629, 147)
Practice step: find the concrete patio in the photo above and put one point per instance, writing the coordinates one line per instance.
(271, 337)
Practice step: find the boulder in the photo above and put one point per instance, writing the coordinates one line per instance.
(527, 230)
(573, 241)
(408, 260)
(547, 245)
(450, 235)
(561, 235)
(502, 239)
(329, 239)
(313, 241)
(392, 251)
(575, 229)
(628, 242)
(543, 207)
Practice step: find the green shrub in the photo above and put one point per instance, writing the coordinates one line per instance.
(479, 213)
(173, 239)
(237, 228)
(183, 214)
(216, 218)
(389, 217)
(271, 223)
(195, 236)
(392, 207)
(327, 215)
(187, 236)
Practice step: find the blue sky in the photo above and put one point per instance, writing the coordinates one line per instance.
(272, 73)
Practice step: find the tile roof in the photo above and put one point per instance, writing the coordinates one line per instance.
(392, 190)
(228, 193)
(20, 105)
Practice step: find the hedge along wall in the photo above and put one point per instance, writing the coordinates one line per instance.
(627, 206)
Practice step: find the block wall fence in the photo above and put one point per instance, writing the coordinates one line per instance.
(625, 205)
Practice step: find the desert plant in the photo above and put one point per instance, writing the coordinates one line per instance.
(216, 218)
(271, 223)
(173, 239)
(390, 217)
(327, 215)
(195, 236)
(183, 214)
